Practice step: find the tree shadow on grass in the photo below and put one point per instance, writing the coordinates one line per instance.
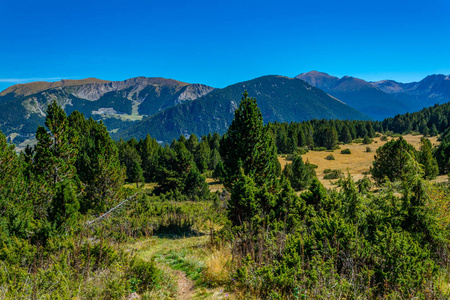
(173, 231)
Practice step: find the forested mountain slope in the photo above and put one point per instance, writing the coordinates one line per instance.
(281, 99)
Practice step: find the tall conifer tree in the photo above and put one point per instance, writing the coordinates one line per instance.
(248, 145)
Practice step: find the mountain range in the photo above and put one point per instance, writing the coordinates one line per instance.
(280, 99)
(385, 98)
(117, 103)
(167, 108)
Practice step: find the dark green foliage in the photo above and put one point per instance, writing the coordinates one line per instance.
(326, 136)
(249, 146)
(52, 161)
(442, 153)
(319, 148)
(346, 136)
(317, 196)
(15, 195)
(250, 167)
(131, 160)
(173, 168)
(149, 151)
(219, 171)
(390, 160)
(346, 151)
(433, 130)
(178, 173)
(330, 157)
(437, 116)
(56, 151)
(300, 174)
(97, 164)
(245, 202)
(367, 140)
(426, 159)
(333, 174)
(364, 185)
(202, 156)
(63, 211)
(195, 185)
(319, 134)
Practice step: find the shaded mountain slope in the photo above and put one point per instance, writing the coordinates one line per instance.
(280, 99)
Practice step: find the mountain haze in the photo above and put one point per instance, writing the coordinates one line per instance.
(385, 98)
(280, 99)
(427, 92)
(357, 93)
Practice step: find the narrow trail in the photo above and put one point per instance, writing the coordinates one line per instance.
(186, 286)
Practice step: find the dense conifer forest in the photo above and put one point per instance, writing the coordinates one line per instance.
(78, 209)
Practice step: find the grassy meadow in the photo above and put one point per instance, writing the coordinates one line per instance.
(357, 163)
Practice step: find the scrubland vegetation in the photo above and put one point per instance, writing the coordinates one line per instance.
(71, 228)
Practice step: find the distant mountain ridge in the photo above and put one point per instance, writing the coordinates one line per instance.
(117, 103)
(280, 99)
(26, 89)
(167, 108)
(430, 90)
(384, 98)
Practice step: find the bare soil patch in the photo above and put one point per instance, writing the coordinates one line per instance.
(185, 286)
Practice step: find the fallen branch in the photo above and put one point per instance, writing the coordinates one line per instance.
(111, 210)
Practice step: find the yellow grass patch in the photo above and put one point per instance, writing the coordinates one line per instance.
(356, 163)
(217, 265)
(214, 185)
(145, 186)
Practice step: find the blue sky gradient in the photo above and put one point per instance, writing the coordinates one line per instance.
(222, 42)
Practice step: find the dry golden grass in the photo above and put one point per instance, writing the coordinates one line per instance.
(214, 185)
(356, 163)
(145, 186)
(217, 267)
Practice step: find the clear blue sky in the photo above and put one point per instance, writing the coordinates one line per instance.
(222, 42)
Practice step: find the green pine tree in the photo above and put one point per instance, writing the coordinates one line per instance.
(16, 195)
(390, 160)
(173, 168)
(301, 174)
(248, 145)
(426, 159)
